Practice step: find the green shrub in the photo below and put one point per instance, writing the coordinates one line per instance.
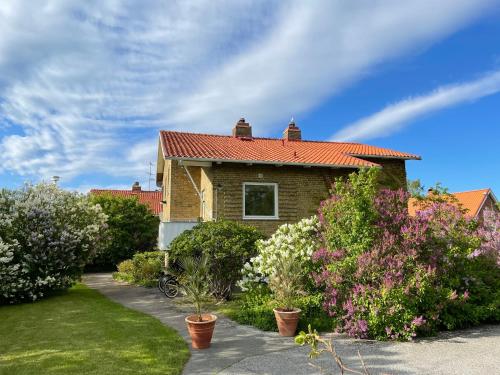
(132, 228)
(126, 266)
(47, 235)
(255, 307)
(228, 246)
(387, 275)
(295, 242)
(143, 269)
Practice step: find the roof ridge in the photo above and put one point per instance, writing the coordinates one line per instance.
(128, 191)
(266, 138)
(471, 191)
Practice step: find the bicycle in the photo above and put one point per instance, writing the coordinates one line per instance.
(168, 284)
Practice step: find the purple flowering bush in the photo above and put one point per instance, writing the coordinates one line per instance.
(388, 275)
(47, 235)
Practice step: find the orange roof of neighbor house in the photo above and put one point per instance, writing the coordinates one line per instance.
(152, 199)
(471, 200)
(192, 146)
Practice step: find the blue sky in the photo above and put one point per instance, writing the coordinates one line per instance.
(85, 87)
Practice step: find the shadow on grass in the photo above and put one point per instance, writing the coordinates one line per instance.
(81, 331)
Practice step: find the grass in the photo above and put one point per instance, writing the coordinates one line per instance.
(231, 308)
(82, 332)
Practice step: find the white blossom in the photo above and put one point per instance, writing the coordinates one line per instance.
(297, 241)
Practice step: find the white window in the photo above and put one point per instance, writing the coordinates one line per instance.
(260, 200)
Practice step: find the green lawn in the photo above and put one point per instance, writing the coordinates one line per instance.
(82, 332)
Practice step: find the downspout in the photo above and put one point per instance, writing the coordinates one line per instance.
(200, 196)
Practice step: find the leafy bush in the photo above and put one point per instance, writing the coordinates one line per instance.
(255, 307)
(387, 275)
(143, 269)
(290, 241)
(47, 235)
(489, 231)
(132, 228)
(127, 266)
(228, 246)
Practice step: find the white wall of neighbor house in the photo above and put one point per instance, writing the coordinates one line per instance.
(169, 230)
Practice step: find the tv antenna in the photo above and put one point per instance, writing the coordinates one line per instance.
(150, 175)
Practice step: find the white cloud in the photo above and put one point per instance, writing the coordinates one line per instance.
(395, 116)
(85, 86)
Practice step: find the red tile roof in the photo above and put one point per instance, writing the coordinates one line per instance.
(470, 200)
(189, 146)
(152, 199)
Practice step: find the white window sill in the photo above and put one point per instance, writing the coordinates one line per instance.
(261, 218)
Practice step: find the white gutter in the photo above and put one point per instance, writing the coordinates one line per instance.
(415, 157)
(277, 162)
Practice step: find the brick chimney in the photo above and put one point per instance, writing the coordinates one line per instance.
(242, 129)
(136, 186)
(292, 132)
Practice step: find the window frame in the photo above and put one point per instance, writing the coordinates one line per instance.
(276, 205)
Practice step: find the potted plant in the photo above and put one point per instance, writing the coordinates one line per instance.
(285, 283)
(195, 281)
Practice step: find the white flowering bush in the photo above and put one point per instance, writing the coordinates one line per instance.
(47, 236)
(295, 242)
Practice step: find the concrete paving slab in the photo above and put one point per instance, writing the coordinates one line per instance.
(469, 352)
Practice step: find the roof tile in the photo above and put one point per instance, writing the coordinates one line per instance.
(469, 200)
(152, 199)
(180, 145)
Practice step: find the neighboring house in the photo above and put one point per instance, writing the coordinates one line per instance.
(152, 199)
(264, 182)
(475, 202)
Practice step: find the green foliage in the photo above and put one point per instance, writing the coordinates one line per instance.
(285, 282)
(389, 275)
(415, 188)
(82, 332)
(293, 242)
(351, 216)
(127, 266)
(143, 269)
(228, 245)
(255, 307)
(132, 228)
(195, 280)
(47, 235)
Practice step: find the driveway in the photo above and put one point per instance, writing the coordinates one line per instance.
(243, 350)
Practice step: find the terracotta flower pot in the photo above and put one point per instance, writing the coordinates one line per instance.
(287, 321)
(201, 332)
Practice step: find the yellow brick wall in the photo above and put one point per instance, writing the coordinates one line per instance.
(393, 173)
(300, 190)
(206, 187)
(183, 203)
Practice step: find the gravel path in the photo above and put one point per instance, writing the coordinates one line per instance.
(243, 350)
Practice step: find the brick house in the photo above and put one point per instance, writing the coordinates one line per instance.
(475, 202)
(264, 182)
(152, 199)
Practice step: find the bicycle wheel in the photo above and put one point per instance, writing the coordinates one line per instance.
(161, 283)
(171, 288)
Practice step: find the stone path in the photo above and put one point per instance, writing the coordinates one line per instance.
(243, 350)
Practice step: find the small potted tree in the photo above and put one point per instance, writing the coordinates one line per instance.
(285, 283)
(195, 281)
